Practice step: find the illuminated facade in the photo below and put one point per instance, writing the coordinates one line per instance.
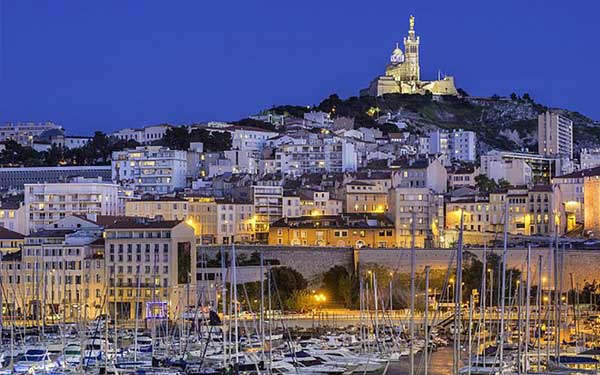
(365, 197)
(345, 230)
(403, 73)
(150, 169)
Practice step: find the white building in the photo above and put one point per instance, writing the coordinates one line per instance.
(438, 142)
(462, 145)
(316, 154)
(249, 139)
(242, 161)
(268, 207)
(555, 134)
(25, 132)
(589, 158)
(318, 119)
(542, 167)
(150, 169)
(145, 135)
(516, 172)
(47, 203)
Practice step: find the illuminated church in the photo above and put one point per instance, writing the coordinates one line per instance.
(403, 73)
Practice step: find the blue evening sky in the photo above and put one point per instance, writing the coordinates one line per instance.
(110, 64)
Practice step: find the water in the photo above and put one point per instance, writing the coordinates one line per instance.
(440, 363)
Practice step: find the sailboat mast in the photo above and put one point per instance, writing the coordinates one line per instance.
(482, 303)
(224, 306)
(235, 302)
(412, 294)
(503, 288)
(527, 308)
(458, 297)
(539, 315)
(426, 322)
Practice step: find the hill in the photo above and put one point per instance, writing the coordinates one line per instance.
(504, 123)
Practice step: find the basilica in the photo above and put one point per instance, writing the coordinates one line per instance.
(403, 75)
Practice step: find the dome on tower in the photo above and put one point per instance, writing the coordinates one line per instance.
(397, 55)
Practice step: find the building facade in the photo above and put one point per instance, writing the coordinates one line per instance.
(150, 169)
(555, 135)
(47, 203)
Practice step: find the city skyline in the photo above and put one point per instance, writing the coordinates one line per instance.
(90, 67)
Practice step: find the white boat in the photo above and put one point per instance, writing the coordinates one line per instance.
(34, 359)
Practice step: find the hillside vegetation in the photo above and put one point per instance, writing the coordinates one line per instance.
(505, 123)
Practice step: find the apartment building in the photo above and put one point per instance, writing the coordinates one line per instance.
(10, 241)
(235, 221)
(426, 206)
(150, 169)
(60, 270)
(165, 207)
(24, 133)
(12, 216)
(268, 208)
(316, 155)
(145, 135)
(16, 178)
(47, 203)
(569, 194)
(345, 230)
(365, 197)
(421, 173)
(462, 145)
(150, 262)
(591, 222)
(555, 134)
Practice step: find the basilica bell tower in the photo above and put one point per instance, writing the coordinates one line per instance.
(411, 53)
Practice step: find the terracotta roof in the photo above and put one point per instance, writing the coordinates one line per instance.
(161, 198)
(582, 173)
(7, 234)
(144, 224)
(354, 220)
(541, 188)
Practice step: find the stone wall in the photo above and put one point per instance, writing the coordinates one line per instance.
(312, 262)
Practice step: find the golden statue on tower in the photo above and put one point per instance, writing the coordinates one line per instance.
(403, 73)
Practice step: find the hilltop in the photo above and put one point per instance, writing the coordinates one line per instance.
(505, 123)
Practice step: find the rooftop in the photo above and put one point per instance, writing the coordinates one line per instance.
(7, 234)
(358, 220)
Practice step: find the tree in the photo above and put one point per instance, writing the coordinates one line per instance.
(285, 281)
(15, 155)
(503, 184)
(335, 281)
(54, 156)
(485, 184)
(177, 138)
(472, 276)
(527, 98)
(514, 97)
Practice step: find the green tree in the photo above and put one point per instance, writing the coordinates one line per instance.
(177, 138)
(472, 276)
(16, 155)
(335, 281)
(485, 184)
(503, 184)
(285, 281)
(54, 156)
